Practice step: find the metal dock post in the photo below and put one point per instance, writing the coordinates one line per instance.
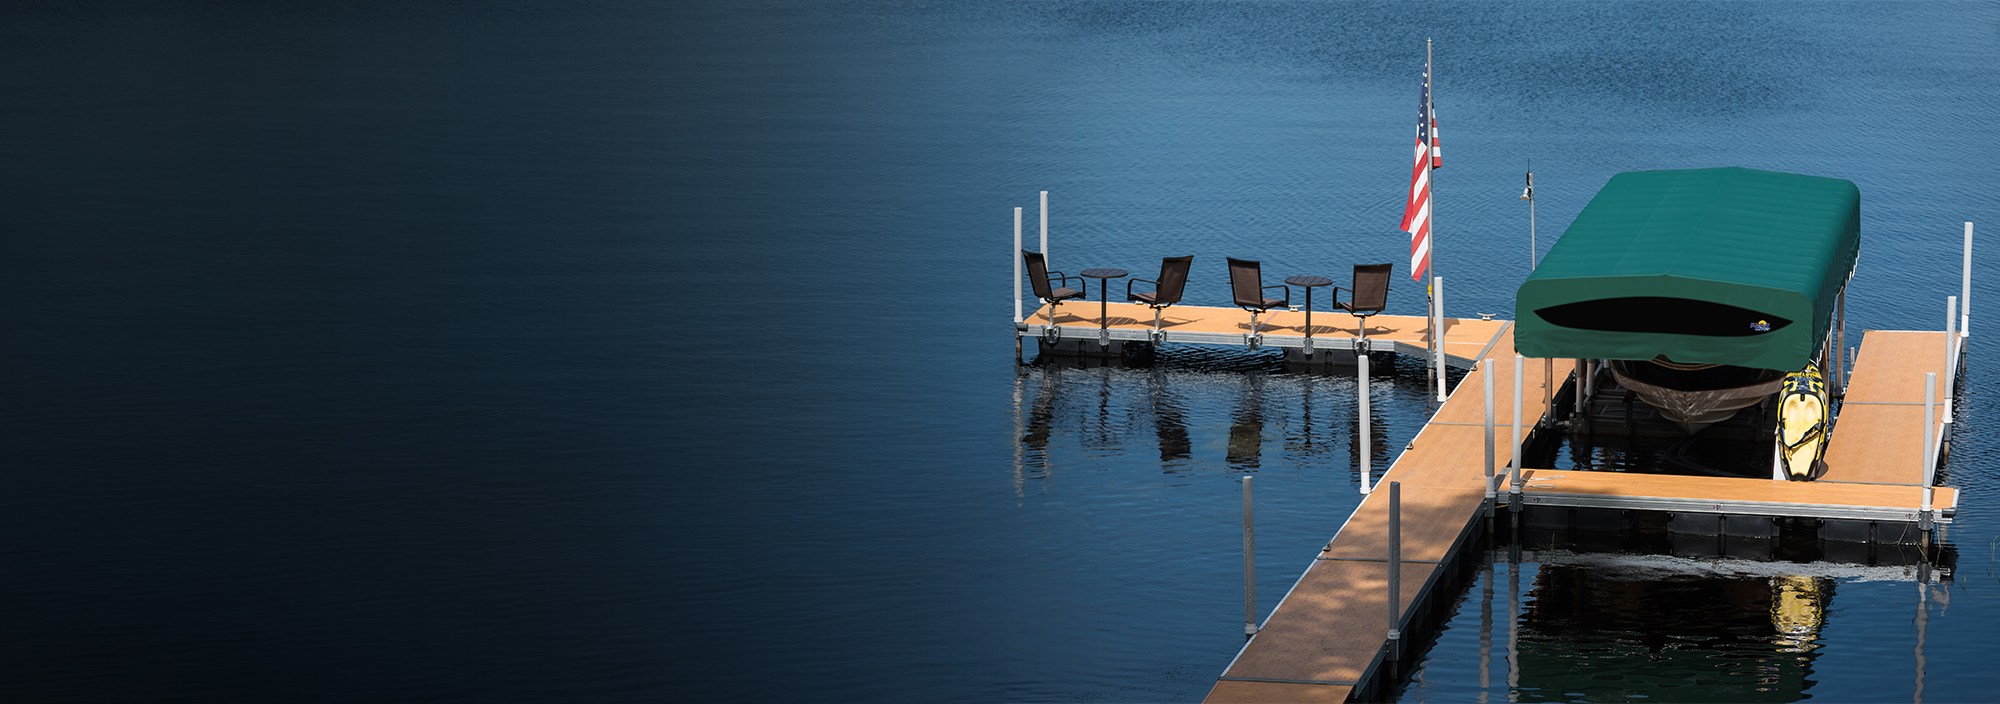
(1395, 644)
(1514, 465)
(1486, 372)
(1930, 445)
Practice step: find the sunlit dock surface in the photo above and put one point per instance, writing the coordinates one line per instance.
(1079, 322)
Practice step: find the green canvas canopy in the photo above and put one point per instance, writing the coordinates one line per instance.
(1702, 266)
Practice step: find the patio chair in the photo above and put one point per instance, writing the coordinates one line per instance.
(1166, 289)
(1369, 295)
(1246, 281)
(1039, 278)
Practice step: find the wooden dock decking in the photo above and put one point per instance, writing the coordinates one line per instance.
(1326, 638)
(1464, 339)
(1874, 456)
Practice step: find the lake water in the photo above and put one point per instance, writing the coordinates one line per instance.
(649, 351)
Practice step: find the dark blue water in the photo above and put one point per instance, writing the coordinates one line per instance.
(627, 352)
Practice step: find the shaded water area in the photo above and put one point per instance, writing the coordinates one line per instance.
(627, 352)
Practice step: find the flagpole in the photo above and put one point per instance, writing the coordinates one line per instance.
(1430, 123)
(1430, 279)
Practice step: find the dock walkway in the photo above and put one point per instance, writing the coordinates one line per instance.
(1326, 638)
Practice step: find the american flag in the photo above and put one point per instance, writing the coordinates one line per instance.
(1417, 211)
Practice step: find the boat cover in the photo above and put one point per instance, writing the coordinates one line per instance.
(1702, 266)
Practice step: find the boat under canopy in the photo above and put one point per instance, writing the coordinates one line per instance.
(1692, 268)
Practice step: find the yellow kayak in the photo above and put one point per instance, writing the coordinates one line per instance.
(1802, 424)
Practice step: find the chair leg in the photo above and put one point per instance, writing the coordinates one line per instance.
(1157, 335)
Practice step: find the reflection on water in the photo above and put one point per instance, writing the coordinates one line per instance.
(1595, 635)
(1239, 411)
(1590, 620)
(1246, 426)
(1169, 420)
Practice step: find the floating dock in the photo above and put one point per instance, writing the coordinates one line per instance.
(1327, 640)
(1339, 632)
(1078, 323)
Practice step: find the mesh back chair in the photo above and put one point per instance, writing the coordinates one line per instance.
(1369, 295)
(1166, 290)
(1246, 281)
(1038, 278)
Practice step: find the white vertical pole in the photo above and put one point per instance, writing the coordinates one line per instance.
(1533, 254)
(1249, 564)
(1950, 346)
(1017, 265)
(1045, 225)
(1486, 371)
(1930, 438)
(1514, 465)
(1438, 334)
(1395, 569)
(1965, 287)
(1367, 432)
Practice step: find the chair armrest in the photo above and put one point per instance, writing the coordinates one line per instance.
(1288, 293)
(1057, 278)
(1129, 282)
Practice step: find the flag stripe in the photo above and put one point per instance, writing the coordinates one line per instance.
(1417, 208)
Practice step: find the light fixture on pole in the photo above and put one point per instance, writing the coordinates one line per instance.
(1528, 194)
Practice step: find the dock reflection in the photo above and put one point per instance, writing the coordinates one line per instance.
(1599, 634)
(1240, 420)
(1246, 426)
(1169, 420)
(1612, 616)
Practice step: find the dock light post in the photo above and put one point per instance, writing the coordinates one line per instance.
(1528, 194)
(1367, 431)
(1514, 466)
(1965, 287)
(1249, 565)
(1395, 570)
(1486, 374)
